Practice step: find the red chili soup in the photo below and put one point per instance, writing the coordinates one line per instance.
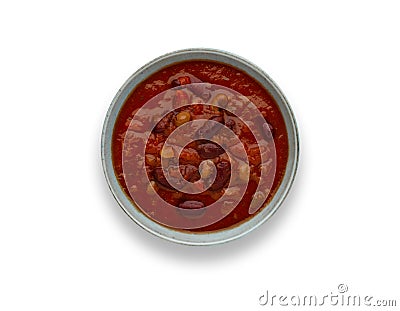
(210, 101)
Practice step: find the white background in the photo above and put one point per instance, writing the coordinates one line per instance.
(65, 243)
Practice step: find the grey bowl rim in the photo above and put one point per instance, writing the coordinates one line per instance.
(116, 189)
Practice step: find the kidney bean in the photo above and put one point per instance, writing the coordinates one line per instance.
(223, 174)
(189, 172)
(201, 91)
(191, 205)
(191, 209)
(164, 123)
(209, 150)
(160, 177)
(209, 129)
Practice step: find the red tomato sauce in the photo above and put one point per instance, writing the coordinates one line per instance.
(193, 154)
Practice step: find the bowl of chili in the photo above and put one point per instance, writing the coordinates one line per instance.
(199, 147)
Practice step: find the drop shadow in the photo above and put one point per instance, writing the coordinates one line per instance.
(259, 238)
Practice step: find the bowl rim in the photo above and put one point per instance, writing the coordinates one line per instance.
(200, 238)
